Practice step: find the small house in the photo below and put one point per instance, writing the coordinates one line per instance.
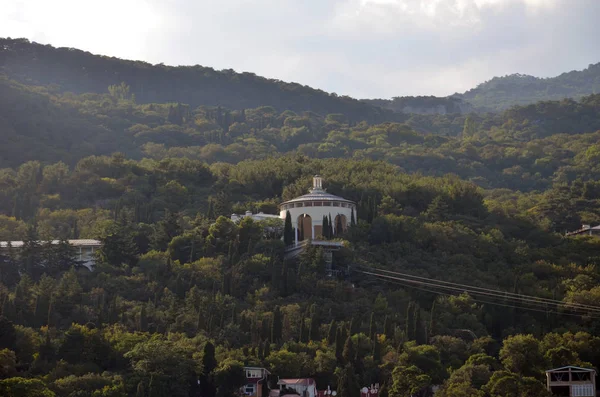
(571, 381)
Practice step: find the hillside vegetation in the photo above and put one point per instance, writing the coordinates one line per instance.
(181, 298)
(501, 93)
(72, 70)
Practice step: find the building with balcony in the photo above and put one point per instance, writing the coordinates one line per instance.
(255, 377)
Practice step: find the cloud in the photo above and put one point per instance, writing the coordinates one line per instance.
(363, 48)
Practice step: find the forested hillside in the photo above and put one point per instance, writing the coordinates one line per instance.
(500, 93)
(181, 298)
(424, 105)
(72, 70)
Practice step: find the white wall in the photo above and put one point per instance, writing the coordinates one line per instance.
(317, 213)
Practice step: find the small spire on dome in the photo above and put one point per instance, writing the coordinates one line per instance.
(317, 183)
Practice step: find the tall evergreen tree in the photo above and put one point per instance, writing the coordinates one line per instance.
(410, 321)
(314, 327)
(376, 351)
(339, 227)
(276, 326)
(143, 320)
(372, 327)
(303, 332)
(388, 328)
(209, 363)
(352, 218)
(354, 327)
(325, 228)
(267, 349)
(288, 230)
(332, 332)
(330, 226)
(339, 345)
(348, 384)
(349, 353)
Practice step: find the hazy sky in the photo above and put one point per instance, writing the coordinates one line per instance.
(362, 48)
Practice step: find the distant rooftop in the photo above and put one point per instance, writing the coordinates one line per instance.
(75, 243)
(317, 193)
(571, 367)
(297, 382)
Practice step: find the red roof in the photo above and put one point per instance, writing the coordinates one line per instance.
(297, 382)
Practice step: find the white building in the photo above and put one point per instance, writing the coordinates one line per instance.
(306, 387)
(84, 249)
(307, 211)
(256, 217)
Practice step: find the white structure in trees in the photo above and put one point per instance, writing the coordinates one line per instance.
(257, 217)
(307, 211)
(84, 249)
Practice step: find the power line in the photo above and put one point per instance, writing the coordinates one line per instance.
(493, 303)
(488, 291)
(524, 298)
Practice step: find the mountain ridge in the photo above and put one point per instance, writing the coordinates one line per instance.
(78, 71)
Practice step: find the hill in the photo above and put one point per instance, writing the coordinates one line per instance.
(182, 298)
(72, 70)
(501, 93)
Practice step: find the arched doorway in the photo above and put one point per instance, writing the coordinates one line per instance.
(305, 227)
(340, 224)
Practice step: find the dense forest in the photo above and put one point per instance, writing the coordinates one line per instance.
(182, 298)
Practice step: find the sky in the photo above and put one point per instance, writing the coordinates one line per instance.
(361, 48)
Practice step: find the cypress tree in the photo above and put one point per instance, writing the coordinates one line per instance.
(348, 354)
(143, 323)
(376, 351)
(209, 362)
(261, 350)
(313, 334)
(325, 231)
(276, 326)
(372, 328)
(352, 218)
(420, 332)
(339, 345)
(354, 326)
(288, 230)
(410, 321)
(339, 227)
(432, 323)
(303, 332)
(331, 334)
(388, 328)
(330, 226)
(267, 349)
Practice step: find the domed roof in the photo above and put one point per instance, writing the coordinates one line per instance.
(317, 193)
